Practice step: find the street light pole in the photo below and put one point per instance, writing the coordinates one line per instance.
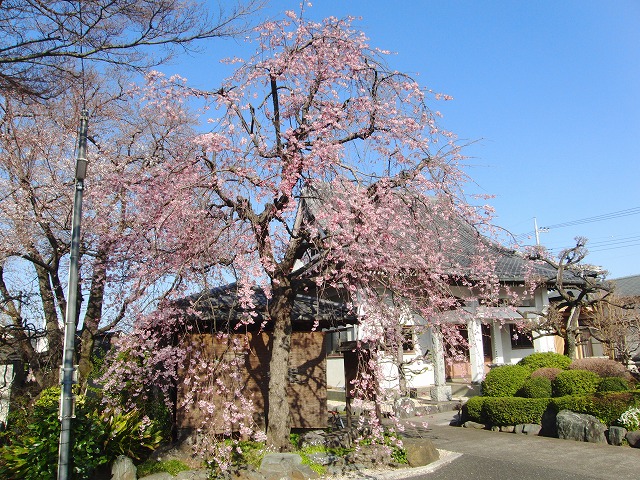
(68, 370)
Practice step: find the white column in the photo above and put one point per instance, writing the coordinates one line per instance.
(476, 352)
(496, 339)
(439, 374)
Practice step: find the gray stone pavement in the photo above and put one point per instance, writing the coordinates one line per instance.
(497, 455)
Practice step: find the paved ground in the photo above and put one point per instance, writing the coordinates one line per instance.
(504, 456)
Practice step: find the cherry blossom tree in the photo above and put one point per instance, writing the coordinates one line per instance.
(125, 264)
(331, 171)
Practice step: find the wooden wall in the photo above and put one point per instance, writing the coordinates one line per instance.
(246, 373)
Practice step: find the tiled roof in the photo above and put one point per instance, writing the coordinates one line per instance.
(627, 286)
(221, 304)
(510, 266)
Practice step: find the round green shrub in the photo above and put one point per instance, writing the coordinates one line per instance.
(500, 411)
(473, 409)
(546, 360)
(613, 384)
(538, 387)
(575, 382)
(504, 381)
(608, 406)
(546, 372)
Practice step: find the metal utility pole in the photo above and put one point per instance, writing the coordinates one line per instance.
(68, 370)
(538, 230)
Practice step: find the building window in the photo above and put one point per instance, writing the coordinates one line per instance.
(408, 340)
(520, 339)
(335, 338)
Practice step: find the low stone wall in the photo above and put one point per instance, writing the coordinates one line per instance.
(568, 425)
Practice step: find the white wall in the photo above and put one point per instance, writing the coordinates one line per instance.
(335, 372)
(6, 380)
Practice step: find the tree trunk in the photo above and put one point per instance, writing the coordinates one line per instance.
(92, 319)
(278, 415)
(402, 379)
(572, 331)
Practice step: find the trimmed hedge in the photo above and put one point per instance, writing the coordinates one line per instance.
(505, 381)
(613, 384)
(538, 387)
(500, 411)
(575, 382)
(546, 360)
(606, 407)
(473, 409)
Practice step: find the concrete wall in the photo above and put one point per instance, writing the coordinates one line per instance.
(6, 380)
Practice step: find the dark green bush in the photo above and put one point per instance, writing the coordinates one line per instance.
(545, 360)
(473, 409)
(501, 411)
(35, 455)
(575, 382)
(504, 381)
(606, 407)
(98, 439)
(575, 403)
(613, 384)
(538, 387)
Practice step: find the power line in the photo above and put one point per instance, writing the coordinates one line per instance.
(612, 244)
(597, 218)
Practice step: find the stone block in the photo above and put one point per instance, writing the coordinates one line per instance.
(508, 428)
(123, 469)
(420, 452)
(471, 424)
(404, 407)
(531, 429)
(633, 438)
(192, 475)
(440, 393)
(158, 476)
(549, 423)
(580, 427)
(616, 435)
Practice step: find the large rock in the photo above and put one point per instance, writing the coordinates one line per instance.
(420, 452)
(616, 435)
(158, 476)
(123, 469)
(633, 438)
(192, 475)
(368, 456)
(531, 429)
(275, 466)
(470, 424)
(404, 408)
(549, 423)
(580, 427)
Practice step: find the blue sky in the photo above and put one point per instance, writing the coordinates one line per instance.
(546, 93)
